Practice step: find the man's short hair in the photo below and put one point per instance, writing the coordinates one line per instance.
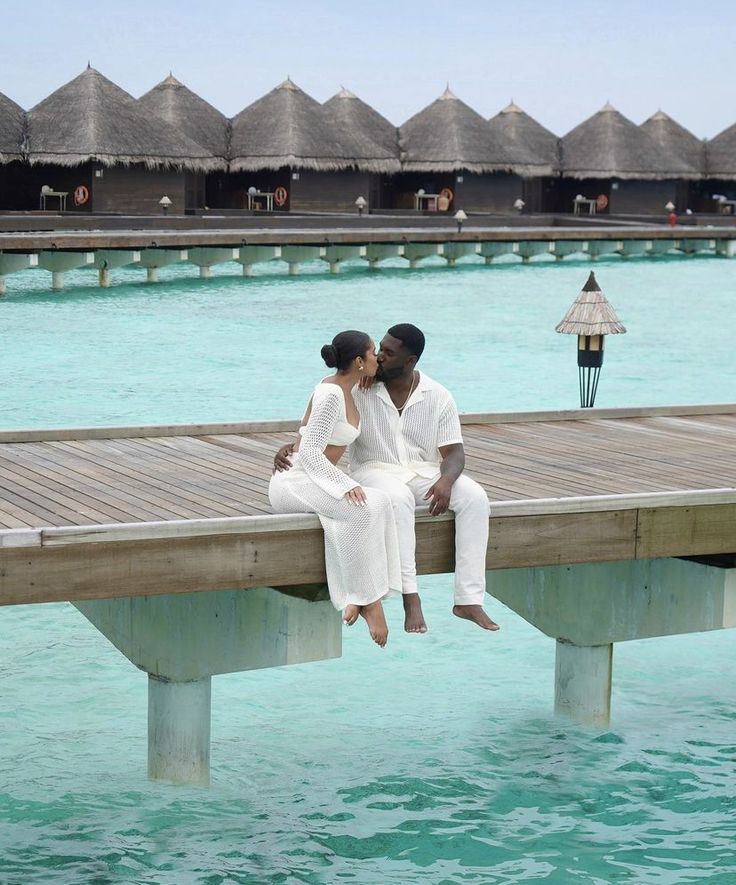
(411, 337)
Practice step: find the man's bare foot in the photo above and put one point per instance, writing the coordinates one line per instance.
(350, 614)
(413, 618)
(376, 621)
(475, 614)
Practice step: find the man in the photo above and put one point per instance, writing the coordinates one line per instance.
(411, 447)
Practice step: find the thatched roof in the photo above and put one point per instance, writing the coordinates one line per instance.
(607, 145)
(524, 133)
(590, 313)
(673, 137)
(286, 127)
(720, 155)
(12, 130)
(449, 136)
(368, 137)
(90, 118)
(183, 109)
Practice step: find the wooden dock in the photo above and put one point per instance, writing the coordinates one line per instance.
(109, 512)
(162, 538)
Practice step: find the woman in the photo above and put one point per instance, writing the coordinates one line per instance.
(361, 546)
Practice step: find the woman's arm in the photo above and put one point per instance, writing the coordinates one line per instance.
(327, 409)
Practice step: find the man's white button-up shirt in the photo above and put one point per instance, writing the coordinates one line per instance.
(406, 444)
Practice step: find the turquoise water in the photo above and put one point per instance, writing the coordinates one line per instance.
(438, 759)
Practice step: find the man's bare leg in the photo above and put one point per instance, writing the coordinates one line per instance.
(413, 618)
(377, 626)
(475, 614)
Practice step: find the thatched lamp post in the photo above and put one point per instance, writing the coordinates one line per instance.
(460, 216)
(164, 203)
(361, 203)
(591, 318)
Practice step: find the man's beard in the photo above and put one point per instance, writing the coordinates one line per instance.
(384, 375)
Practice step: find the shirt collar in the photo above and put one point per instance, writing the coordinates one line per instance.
(425, 383)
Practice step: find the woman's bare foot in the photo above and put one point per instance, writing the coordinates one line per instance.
(350, 614)
(413, 618)
(376, 621)
(475, 614)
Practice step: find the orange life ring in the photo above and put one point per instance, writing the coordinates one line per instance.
(601, 202)
(447, 192)
(81, 195)
(280, 196)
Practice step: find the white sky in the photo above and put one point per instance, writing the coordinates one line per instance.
(561, 61)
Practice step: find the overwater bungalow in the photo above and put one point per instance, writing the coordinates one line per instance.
(610, 164)
(286, 153)
(12, 133)
(719, 187)
(370, 140)
(173, 103)
(449, 151)
(94, 142)
(525, 135)
(675, 139)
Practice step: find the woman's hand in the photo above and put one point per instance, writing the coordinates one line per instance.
(366, 382)
(356, 496)
(281, 458)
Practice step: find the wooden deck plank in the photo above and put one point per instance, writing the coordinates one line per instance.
(205, 475)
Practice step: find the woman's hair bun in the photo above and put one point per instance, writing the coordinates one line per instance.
(329, 355)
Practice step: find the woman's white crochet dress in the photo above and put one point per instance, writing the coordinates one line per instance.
(361, 546)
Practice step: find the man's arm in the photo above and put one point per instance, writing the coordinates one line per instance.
(451, 466)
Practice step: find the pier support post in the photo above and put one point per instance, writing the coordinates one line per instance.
(583, 682)
(590, 606)
(154, 258)
(726, 248)
(60, 262)
(207, 256)
(179, 730)
(107, 259)
(377, 252)
(250, 255)
(11, 262)
(491, 250)
(416, 252)
(296, 255)
(183, 639)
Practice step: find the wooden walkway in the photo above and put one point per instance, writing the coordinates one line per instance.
(564, 486)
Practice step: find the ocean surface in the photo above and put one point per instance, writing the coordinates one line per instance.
(438, 759)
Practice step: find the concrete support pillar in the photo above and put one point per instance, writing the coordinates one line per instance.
(181, 640)
(377, 252)
(452, 251)
(154, 258)
(335, 255)
(179, 730)
(495, 249)
(632, 248)
(590, 606)
(104, 278)
(562, 248)
(583, 682)
(205, 257)
(659, 247)
(296, 255)
(726, 248)
(10, 262)
(596, 248)
(60, 262)
(417, 252)
(527, 249)
(250, 255)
